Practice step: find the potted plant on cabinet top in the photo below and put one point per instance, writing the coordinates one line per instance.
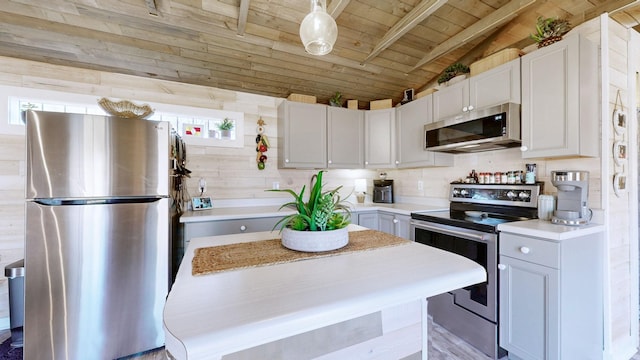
(225, 127)
(320, 223)
(336, 99)
(453, 71)
(550, 30)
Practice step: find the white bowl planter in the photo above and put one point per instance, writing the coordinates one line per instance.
(314, 241)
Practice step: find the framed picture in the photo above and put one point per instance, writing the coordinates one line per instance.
(619, 183)
(408, 96)
(196, 130)
(619, 152)
(619, 121)
(201, 202)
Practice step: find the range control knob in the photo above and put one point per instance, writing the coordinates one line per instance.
(464, 192)
(524, 195)
(511, 195)
(455, 192)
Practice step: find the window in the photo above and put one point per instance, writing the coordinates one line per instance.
(198, 126)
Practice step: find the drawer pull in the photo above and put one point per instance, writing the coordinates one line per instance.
(525, 250)
(502, 266)
(243, 227)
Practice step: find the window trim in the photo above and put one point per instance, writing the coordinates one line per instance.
(9, 93)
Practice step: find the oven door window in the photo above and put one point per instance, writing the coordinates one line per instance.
(474, 250)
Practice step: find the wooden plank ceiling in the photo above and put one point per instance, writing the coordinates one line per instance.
(253, 46)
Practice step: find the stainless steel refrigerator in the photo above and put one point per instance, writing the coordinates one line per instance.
(97, 235)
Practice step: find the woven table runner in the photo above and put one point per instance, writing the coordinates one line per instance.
(214, 259)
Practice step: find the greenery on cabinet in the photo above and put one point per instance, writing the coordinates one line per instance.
(323, 211)
(550, 30)
(452, 71)
(336, 99)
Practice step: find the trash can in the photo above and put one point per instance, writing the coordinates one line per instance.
(15, 273)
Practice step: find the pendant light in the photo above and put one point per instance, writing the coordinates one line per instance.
(318, 30)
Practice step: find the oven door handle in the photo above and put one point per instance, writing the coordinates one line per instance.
(447, 230)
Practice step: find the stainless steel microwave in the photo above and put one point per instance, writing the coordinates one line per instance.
(493, 128)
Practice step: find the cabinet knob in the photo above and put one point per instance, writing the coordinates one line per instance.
(397, 162)
(366, 163)
(470, 107)
(525, 250)
(330, 162)
(395, 221)
(286, 160)
(524, 148)
(243, 227)
(502, 266)
(465, 109)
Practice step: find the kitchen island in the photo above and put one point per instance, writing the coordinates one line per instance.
(370, 304)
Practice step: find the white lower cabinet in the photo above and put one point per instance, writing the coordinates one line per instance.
(551, 297)
(529, 311)
(387, 222)
(394, 224)
(227, 227)
(368, 219)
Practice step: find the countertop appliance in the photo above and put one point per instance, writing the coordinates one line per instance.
(492, 128)
(469, 228)
(97, 230)
(573, 197)
(383, 191)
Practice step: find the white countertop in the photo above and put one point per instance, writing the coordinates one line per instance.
(547, 230)
(244, 212)
(211, 315)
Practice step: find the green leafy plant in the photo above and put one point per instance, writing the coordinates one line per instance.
(452, 71)
(226, 124)
(550, 30)
(323, 211)
(336, 100)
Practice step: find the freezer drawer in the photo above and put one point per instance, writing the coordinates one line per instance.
(92, 156)
(96, 279)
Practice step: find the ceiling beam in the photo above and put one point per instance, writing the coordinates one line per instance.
(336, 7)
(408, 22)
(151, 6)
(242, 16)
(610, 7)
(495, 19)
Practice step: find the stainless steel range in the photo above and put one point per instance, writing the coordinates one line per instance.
(469, 229)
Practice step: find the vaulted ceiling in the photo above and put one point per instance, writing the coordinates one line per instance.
(253, 46)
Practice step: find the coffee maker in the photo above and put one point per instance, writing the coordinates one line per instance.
(383, 191)
(573, 192)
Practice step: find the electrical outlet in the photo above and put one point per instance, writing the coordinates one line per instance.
(420, 185)
(275, 185)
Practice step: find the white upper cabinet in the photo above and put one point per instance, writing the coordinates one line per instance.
(560, 106)
(346, 138)
(379, 140)
(493, 87)
(410, 121)
(302, 135)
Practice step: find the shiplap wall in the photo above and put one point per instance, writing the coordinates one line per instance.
(623, 253)
(230, 173)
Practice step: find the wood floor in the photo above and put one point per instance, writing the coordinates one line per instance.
(442, 346)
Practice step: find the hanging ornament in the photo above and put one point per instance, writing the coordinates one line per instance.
(262, 145)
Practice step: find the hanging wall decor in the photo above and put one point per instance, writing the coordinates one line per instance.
(619, 152)
(262, 144)
(619, 183)
(619, 116)
(620, 148)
